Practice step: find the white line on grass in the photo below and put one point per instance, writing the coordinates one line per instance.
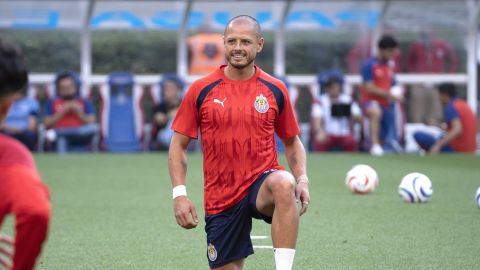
(258, 237)
(264, 247)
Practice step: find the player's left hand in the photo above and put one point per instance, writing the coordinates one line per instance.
(302, 195)
(6, 251)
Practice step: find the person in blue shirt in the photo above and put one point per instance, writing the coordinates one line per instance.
(22, 119)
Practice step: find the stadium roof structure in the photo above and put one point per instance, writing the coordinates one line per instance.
(278, 16)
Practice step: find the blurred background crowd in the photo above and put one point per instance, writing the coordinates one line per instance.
(109, 75)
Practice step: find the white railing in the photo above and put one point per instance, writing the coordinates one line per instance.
(296, 80)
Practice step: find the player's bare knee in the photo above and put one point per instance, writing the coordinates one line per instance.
(374, 113)
(282, 183)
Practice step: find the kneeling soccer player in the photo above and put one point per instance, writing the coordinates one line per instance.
(238, 109)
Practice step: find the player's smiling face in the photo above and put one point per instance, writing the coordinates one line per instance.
(242, 44)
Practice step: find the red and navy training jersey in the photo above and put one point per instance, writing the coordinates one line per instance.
(237, 122)
(459, 109)
(70, 119)
(382, 75)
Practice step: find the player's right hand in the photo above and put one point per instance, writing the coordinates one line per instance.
(185, 213)
(6, 250)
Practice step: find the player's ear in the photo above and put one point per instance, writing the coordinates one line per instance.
(261, 42)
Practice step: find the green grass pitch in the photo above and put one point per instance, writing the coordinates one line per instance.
(115, 212)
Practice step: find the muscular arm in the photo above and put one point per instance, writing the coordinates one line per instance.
(177, 159)
(183, 208)
(297, 161)
(296, 157)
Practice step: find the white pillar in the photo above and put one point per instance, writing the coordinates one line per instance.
(279, 46)
(472, 55)
(182, 49)
(379, 28)
(86, 49)
(85, 59)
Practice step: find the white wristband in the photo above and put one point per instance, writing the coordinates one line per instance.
(303, 178)
(180, 190)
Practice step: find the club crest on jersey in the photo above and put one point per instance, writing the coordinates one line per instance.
(261, 104)
(212, 252)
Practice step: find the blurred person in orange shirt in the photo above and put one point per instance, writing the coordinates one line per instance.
(206, 52)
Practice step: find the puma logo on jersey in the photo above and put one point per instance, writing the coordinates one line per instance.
(219, 102)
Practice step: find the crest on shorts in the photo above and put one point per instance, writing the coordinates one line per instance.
(212, 252)
(261, 104)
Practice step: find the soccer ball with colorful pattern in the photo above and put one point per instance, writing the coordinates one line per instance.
(361, 179)
(415, 187)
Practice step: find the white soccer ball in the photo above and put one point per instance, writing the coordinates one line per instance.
(415, 187)
(361, 179)
(477, 197)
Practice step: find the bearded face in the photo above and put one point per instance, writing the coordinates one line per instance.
(67, 88)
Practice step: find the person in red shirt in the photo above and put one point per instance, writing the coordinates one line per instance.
(461, 134)
(22, 192)
(428, 55)
(238, 108)
(379, 103)
(70, 119)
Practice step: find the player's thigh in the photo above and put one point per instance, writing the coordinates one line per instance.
(278, 180)
(235, 265)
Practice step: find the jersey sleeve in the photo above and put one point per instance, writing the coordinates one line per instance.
(88, 107)
(27, 198)
(49, 107)
(35, 108)
(287, 125)
(450, 113)
(367, 73)
(187, 118)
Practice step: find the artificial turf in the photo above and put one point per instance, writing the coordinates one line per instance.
(114, 211)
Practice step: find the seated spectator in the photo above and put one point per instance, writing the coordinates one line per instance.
(70, 119)
(461, 126)
(164, 113)
(21, 122)
(332, 119)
